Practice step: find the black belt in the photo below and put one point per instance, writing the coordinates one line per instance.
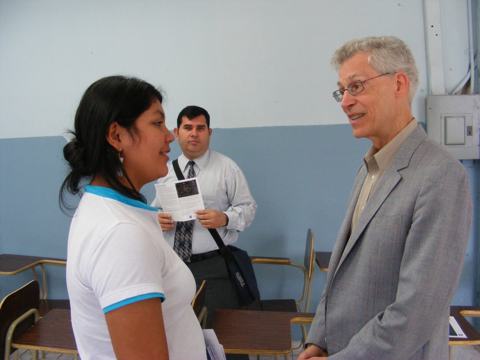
(204, 256)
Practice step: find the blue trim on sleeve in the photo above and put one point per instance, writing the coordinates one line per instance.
(115, 195)
(133, 300)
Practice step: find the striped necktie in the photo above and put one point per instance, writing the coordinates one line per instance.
(184, 230)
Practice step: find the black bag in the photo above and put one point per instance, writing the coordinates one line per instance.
(245, 268)
(238, 262)
(240, 269)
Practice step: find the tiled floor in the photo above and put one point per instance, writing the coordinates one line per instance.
(459, 353)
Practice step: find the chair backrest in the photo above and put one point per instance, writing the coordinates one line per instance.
(198, 303)
(309, 258)
(309, 264)
(15, 305)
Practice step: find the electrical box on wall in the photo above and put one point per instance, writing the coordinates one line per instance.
(453, 121)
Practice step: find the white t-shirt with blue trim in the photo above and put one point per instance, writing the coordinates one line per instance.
(117, 256)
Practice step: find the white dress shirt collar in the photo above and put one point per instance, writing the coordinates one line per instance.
(200, 162)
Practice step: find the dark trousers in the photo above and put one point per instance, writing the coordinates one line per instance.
(220, 293)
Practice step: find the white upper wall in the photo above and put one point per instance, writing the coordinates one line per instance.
(250, 63)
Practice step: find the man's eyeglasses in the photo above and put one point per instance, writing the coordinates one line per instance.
(354, 88)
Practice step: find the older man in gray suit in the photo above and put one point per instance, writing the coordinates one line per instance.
(399, 252)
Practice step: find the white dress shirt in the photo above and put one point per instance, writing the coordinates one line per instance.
(224, 188)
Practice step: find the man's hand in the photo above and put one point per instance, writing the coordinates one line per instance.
(313, 352)
(212, 219)
(166, 222)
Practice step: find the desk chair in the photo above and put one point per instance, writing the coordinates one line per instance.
(47, 304)
(260, 333)
(292, 305)
(21, 326)
(198, 304)
(18, 311)
(12, 264)
(472, 335)
(52, 333)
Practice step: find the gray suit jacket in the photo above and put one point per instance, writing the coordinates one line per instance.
(390, 282)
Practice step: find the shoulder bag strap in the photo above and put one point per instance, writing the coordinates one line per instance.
(178, 172)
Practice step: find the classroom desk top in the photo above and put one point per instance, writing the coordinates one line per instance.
(52, 333)
(257, 332)
(322, 258)
(459, 313)
(11, 264)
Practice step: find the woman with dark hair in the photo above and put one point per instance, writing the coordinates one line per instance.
(129, 292)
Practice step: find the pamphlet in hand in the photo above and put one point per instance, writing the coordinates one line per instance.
(181, 199)
(214, 348)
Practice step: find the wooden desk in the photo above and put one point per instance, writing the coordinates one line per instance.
(11, 264)
(52, 333)
(459, 313)
(257, 332)
(322, 258)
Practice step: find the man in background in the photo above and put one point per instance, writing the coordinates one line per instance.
(229, 208)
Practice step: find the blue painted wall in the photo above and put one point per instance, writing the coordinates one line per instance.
(30, 220)
(301, 177)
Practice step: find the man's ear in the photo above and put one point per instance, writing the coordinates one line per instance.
(210, 130)
(114, 136)
(402, 83)
(175, 132)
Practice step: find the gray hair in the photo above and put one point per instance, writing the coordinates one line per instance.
(386, 54)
